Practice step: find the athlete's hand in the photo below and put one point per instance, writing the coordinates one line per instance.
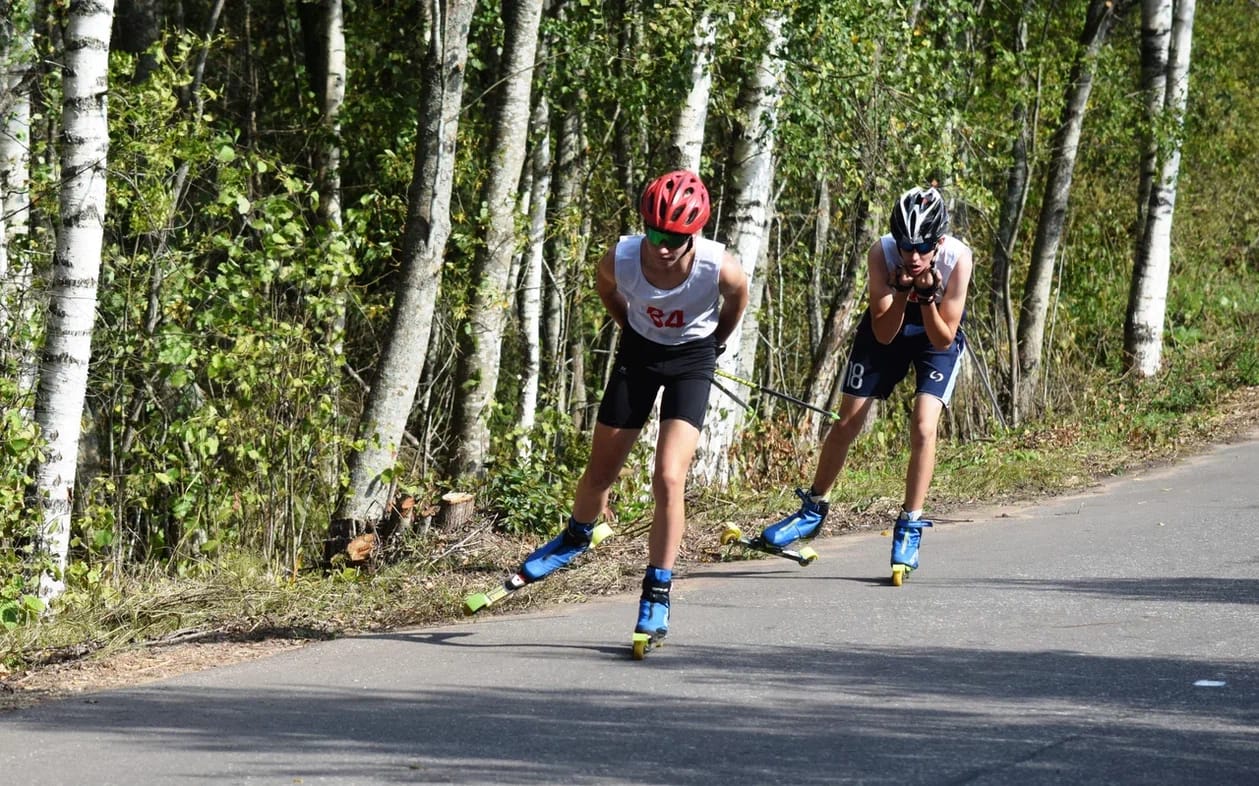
(900, 280)
(927, 286)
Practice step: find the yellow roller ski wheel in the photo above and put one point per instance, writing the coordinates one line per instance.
(807, 555)
(730, 534)
(474, 603)
(898, 575)
(599, 534)
(642, 643)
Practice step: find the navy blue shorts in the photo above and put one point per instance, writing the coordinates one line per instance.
(874, 369)
(643, 367)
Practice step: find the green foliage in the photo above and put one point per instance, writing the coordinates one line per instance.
(534, 494)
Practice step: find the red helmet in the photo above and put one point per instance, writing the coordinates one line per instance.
(676, 202)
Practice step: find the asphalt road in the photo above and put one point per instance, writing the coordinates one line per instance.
(1110, 637)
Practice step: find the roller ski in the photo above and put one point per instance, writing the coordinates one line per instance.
(732, 536)
(804, 524)
(555, 554)
(653, 612)
(905, 539)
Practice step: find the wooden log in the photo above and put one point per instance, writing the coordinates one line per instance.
(456, 509)
(361, 548)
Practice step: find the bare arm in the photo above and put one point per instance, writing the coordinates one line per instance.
(941, 320)
(887, 305)
(605, 285)
(733, 285)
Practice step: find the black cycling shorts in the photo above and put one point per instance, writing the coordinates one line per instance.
(643, 367)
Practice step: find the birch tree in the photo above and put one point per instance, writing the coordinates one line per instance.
(424, 239)
(479, 363)
(751, 181)
(1013, 202)
(1156, 37)
(330, 87)
(688, 132)
(1147, 298)
(16, 59)
(75, 272)
(531, 281)
(1034, 307)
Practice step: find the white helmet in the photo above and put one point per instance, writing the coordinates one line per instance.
(919, 217)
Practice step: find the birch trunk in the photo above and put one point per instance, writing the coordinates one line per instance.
(751, 182)
(566, 227)
(531, 274)
(427, 229)
(688, 133)
(479, 364)
(76, 269)
(1001, 302)
(329, 174)
(17, 59)
(1147, 299)
(1034, 308)
(687, 151)
(1156, 37)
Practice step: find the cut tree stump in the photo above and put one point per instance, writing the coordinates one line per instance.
(457, 508)
(361, 548)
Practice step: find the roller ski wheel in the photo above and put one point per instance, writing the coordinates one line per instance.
(643, 643)
(479, 601)
(733, 535)
(482, 600)
(900, 573)
(599, 534)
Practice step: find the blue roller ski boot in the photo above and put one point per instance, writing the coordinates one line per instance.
(905, 539)
(552, 556)
(653, 611)
(558, 552)
(804, 524)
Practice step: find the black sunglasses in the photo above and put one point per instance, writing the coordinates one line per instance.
(922, 248)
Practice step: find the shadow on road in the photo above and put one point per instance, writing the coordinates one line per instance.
(1179, 589)
(1061, 717)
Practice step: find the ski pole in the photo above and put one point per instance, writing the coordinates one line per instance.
(737, 400)
(783, 396)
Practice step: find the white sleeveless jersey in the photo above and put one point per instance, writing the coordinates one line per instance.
(675, 316)
(945, 260)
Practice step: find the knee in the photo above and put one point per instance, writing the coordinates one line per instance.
(922, 435)
(597, 480)
(668, 483)
(846, 430)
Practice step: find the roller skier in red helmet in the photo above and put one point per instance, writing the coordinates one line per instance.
(676, 296)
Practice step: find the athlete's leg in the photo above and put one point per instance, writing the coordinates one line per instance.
(674, 451)
(609, 449)
(853, 411)
(922, 450)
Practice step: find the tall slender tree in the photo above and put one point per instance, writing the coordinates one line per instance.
(427, 229)
(17, 54)
(1034, 307)
(751, 181)
(1147, 298)
(76, 270)
(479, 364)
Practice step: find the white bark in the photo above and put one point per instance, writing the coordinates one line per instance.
(752, 179)
(1147, 302)
(427, 229)
(1034, 308)
(688, 135)
(531, 277)
(76, 269)
(1156, 40)
(491, 303)
(15, 159)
